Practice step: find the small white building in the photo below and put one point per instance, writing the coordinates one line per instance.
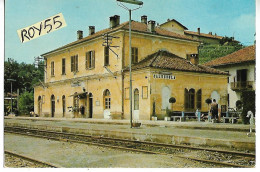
(241, 67)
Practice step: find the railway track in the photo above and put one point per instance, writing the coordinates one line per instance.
(34, 162)
(218, 157)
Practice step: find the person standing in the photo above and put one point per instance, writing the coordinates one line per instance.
(214, 109)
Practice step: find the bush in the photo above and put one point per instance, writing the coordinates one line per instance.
(172, 100)
(26, 102)
(248, 101)
(239, 104)
(208, 101)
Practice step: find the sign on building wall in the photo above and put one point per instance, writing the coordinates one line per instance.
(41, 28)
(163, 76)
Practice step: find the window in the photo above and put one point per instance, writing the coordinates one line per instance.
(107, 99)
(52, 68)
(189, 99)
(198, 96)
(134, 55)
(63, 66)
(106, 56)
(90, 60)
(136, 99)
(74, 63)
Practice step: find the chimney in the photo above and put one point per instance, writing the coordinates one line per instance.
(151, 26)
(194, 59)
(114, 21)
(210, 33)
(144, 19)
(79, 34)
(198, 30)
(91, 30)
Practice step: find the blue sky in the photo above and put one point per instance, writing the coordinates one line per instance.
(224, 17)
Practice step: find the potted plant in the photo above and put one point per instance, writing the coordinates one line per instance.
(154, 116)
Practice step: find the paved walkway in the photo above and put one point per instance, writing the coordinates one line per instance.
(231, 132)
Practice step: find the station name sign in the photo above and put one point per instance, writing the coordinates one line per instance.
(164, 76)
(41, 28)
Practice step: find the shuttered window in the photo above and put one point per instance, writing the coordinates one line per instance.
(74, 63)
(106, 56)
(90, 60)
(52, 68)
(134, 53)
(63, 66)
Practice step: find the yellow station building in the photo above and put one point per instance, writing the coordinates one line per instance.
(85, 79)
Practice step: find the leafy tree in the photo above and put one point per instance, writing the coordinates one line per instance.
(26, 102)
(25, 76)
(248, 101)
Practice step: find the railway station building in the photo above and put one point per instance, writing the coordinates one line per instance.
(89, 79)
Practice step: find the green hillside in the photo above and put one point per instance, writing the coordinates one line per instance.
(210, 52)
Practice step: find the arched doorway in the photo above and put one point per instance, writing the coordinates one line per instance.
(76, 106)
(107, 103)
(90, 105)
(189, 99)
(136, 104)
(39, 105)
(63, 105)
(166, 94)
(215, 95)
(52, 105)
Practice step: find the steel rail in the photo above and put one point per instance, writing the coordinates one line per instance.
(134, 149)
(146, 142)
(31, 159)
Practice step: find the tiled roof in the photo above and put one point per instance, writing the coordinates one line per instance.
(136, 26)
(203, 34)
(244, 55)
(166, 60)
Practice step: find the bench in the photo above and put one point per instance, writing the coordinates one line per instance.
(233, 119)
(177, 117)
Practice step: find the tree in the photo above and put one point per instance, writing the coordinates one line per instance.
(248, 101)
(172, 100)
(25, 103)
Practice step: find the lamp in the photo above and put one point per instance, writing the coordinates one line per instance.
(140, 3)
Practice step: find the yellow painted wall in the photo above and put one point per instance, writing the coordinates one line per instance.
(95, 81)
(206, 82)
(173, 27)
(148, 45)
(95, 86)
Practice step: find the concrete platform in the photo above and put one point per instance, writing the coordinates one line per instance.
(191, 133)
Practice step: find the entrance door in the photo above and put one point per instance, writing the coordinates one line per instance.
(52, 105)
(136, 104)
(90, 105)
(107, 103)
(39, 106)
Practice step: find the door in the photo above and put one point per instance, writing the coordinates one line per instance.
(39, 106)
(52, 105)
(107, 104)
(136, 104)
(90, 105)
